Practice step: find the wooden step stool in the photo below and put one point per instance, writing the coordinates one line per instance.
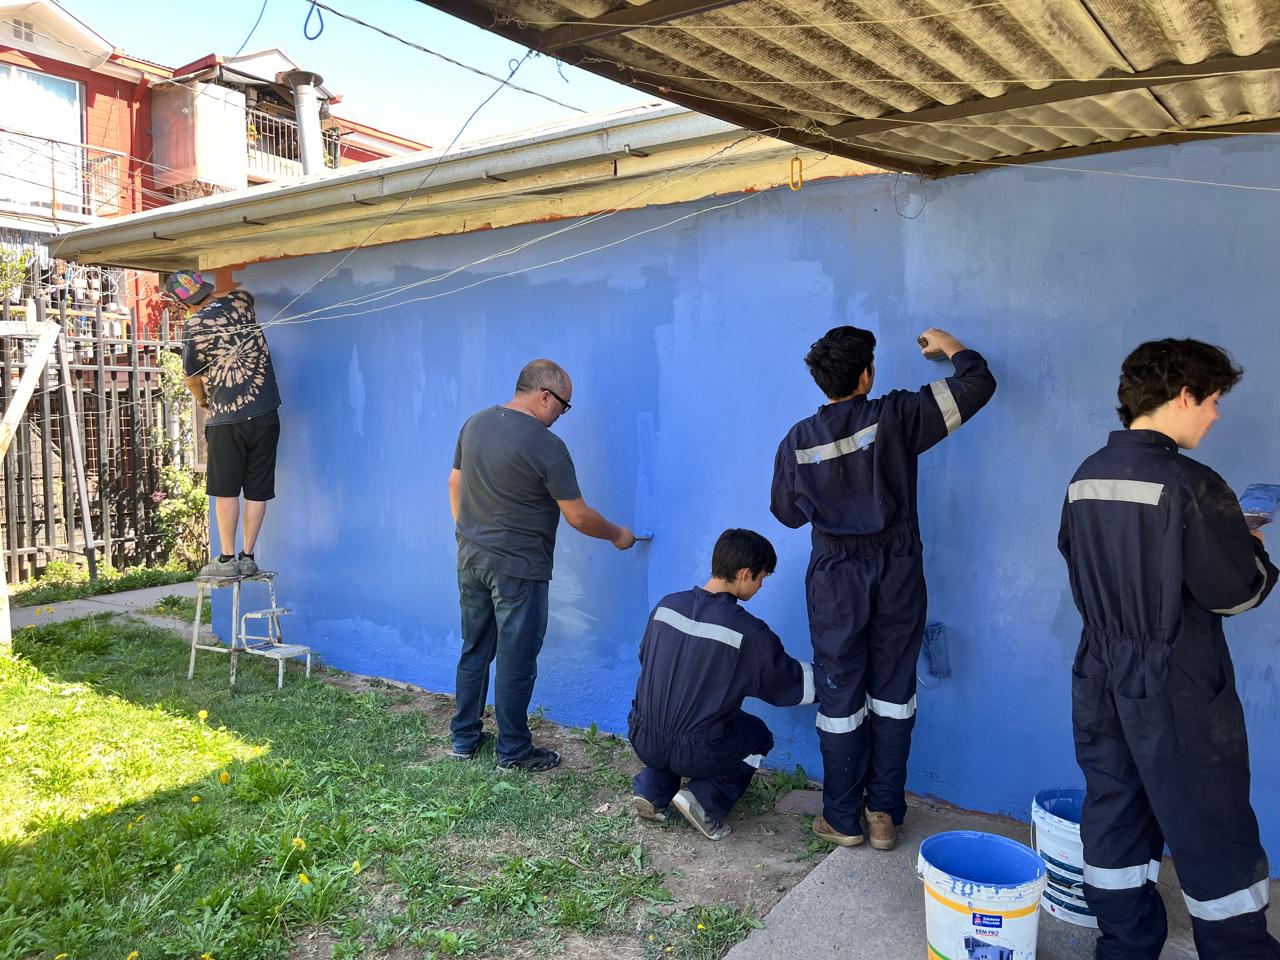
(270, 645)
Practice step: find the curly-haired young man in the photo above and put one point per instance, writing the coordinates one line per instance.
(1158, 553)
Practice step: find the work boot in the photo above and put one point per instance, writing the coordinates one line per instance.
(218, 567)
(536, 760)
(647, 811)
(884, 832)
(713, 828)
(825, 831)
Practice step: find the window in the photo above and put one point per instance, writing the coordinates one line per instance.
(40, 147)
(24, 30)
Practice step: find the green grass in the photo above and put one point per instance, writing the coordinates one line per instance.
(317, 810)
(180, 608)
(69, 581)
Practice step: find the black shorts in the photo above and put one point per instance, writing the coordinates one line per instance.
(242, 456)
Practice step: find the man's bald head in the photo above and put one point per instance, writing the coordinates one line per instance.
(543, 375)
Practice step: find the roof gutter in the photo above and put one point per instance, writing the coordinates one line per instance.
(375, 182)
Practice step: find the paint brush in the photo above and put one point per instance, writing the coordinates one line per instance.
(1259, 502)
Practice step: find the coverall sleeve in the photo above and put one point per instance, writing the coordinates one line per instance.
(774, 675)
(937, 409)
(1226, 569)
(784, 501)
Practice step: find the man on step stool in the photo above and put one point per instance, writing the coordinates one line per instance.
(229, 373)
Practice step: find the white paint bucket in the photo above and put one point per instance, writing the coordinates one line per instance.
(1055, 833)
(981, 896)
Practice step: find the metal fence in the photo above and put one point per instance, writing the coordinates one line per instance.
(274, 149)
(127, 431)
(54, 176)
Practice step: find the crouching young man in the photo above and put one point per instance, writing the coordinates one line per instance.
(703, 654)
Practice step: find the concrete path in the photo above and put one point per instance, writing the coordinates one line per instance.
(130, 601)
(864, 903)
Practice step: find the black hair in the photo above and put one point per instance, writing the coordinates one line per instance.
(1156, 372)
(742, 549)
(839, 358)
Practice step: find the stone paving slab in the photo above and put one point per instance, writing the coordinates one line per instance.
(128, 601)
(864, 904)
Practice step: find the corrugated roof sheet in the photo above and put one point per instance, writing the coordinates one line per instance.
(950, 84)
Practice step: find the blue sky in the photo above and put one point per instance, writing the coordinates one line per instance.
(382, 82)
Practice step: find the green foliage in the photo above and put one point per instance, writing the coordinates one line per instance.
(70, 581)
(180, 608)
(14, 262)
(182, 507)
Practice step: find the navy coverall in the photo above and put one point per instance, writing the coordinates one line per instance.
(1158, 553)
(850, 472)
(702, 654)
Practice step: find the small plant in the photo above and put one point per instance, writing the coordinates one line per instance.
(14, 262)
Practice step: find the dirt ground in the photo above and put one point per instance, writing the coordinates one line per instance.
(764, 857)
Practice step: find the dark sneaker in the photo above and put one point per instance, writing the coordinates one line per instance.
(689, 807)
(647, 811)
(221, 568)
(248, 566)
(469, 754)
(884, 832)
(536, 760)
(825, 831)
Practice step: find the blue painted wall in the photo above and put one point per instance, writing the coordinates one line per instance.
(685, 346)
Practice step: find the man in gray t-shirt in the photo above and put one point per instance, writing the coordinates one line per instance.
(512, 478)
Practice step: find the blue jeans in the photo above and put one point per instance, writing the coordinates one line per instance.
(503, 617)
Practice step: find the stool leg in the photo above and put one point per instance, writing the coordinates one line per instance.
(308, 663)
(280, 675)
(235, 627)
(195, 631)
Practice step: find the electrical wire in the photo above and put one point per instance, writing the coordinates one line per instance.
(441, 56)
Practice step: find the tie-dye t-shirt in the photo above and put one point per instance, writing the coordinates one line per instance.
(223, 343)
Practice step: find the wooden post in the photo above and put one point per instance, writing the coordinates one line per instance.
(136, 462)
(46, 454)
(13, 414)
(72, 421)
(104, 437)
(13, 516)
(60, 424)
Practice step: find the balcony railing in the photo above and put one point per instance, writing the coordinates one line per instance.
(274, 150)
(53, 177)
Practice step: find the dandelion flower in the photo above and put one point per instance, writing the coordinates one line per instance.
(224, 778)
(177, 868)
(206, 956)
(203, 715)
(299, 844)
(134, 955)
(356, 868)
(195, 798)
(129, 826)
(303, 879)
(701, 927)
(652, 938)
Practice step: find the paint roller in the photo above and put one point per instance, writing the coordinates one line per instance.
(933, 353)
(643, 535)
(1259, 503)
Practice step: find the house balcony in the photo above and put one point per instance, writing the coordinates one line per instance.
(273, 147)
(54, 180)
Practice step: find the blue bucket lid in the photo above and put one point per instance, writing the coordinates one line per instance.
(982, 858)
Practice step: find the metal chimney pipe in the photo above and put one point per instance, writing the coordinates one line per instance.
(306, 105)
